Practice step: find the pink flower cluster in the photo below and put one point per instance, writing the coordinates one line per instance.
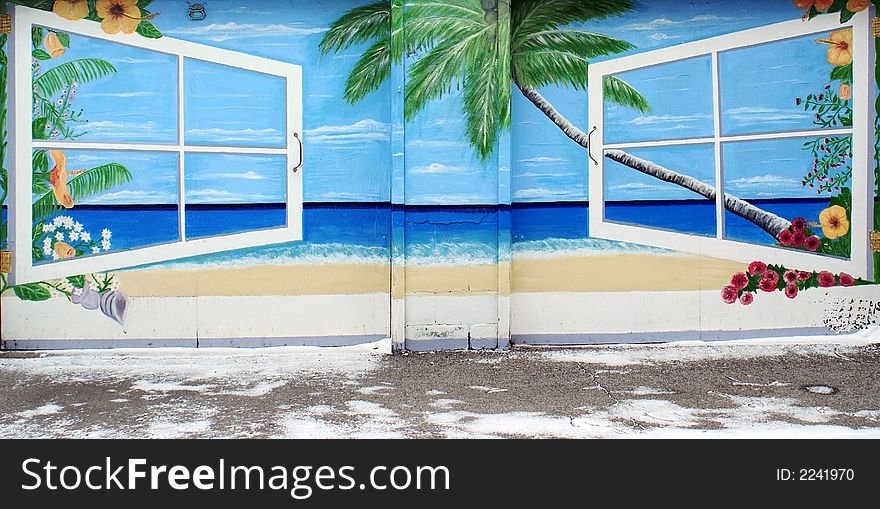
(796, 236)
(744, 285)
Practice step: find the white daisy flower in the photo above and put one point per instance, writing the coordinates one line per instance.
(55, 256)
(47, 242)
(74, 236)
(59, 236)
(96, 250)
(48, 227)
(105, 244)
(106, 234)
(85, 236)
(47, 251)
(67, 221)
(57, 222)
(77, 227)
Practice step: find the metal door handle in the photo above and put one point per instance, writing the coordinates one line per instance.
(298, 166)
(590, 146)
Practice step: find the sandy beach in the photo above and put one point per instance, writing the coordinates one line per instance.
(606, 273)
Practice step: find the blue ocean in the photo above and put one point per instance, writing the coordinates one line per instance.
(434, 235)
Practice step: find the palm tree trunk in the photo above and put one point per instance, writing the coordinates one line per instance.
(563, 123)
(769, 222)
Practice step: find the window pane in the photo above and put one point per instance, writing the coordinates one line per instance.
(93, 202)
(680, 96)
(633, 197)
(234, 193)
(95, 90)
(779, 176)
(233, 107)
(781, 86)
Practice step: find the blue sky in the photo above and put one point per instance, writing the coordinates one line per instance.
(348, 147)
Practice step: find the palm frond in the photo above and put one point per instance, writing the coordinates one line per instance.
(431, 77)
(81, 70)
(481, 107)
(577, 42)
(359, 25)
(536, 69)
(369, 71)
(94, 181)
(618, 91)
(560, 56)
(529, 16)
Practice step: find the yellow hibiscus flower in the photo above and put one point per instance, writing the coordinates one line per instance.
(834, 222)
(840, 50)
(71, 9)
(118, 15)
(857, 5)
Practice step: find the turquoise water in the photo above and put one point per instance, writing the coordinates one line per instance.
(434, 235)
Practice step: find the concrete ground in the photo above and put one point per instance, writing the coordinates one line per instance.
(797, 387)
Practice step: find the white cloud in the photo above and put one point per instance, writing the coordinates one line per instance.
(129, 196)
(132, 60)
(220, 32)
(248, 175)
(635, 186)
(661, 23)
(662, 36)
(222, 196)
(241, 10)
(763, 180)
(664, 119)
(219, 135)
(758, 114)
(362, 130)
(543, 192)
(542, 161)
(437, 168)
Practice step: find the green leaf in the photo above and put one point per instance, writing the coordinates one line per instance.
(92, 182)
(144, 3)
(358, 25)
(38, 128)
(148, 30)
(40, 162)
(369, 72)
(81, 70)
(618, 91)
(41, 186)
(77, 281)
(34, 292)
(40, 55)
(846, 15)
(63, 38)
(844, 73)
(37, 37)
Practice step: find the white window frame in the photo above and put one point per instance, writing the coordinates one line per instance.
(860, 262)
(21, 145)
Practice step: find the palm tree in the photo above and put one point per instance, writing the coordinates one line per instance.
(485, 46)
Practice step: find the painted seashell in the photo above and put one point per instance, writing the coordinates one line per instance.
(64, 250)
(89, 298)
(115, 305)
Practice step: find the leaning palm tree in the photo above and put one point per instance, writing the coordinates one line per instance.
(486, 46)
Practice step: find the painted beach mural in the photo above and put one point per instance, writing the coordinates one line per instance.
(447, 157)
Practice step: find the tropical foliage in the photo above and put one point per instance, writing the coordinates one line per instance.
(770, 278)
(54, 117)
(127, 16)
(482, 47)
